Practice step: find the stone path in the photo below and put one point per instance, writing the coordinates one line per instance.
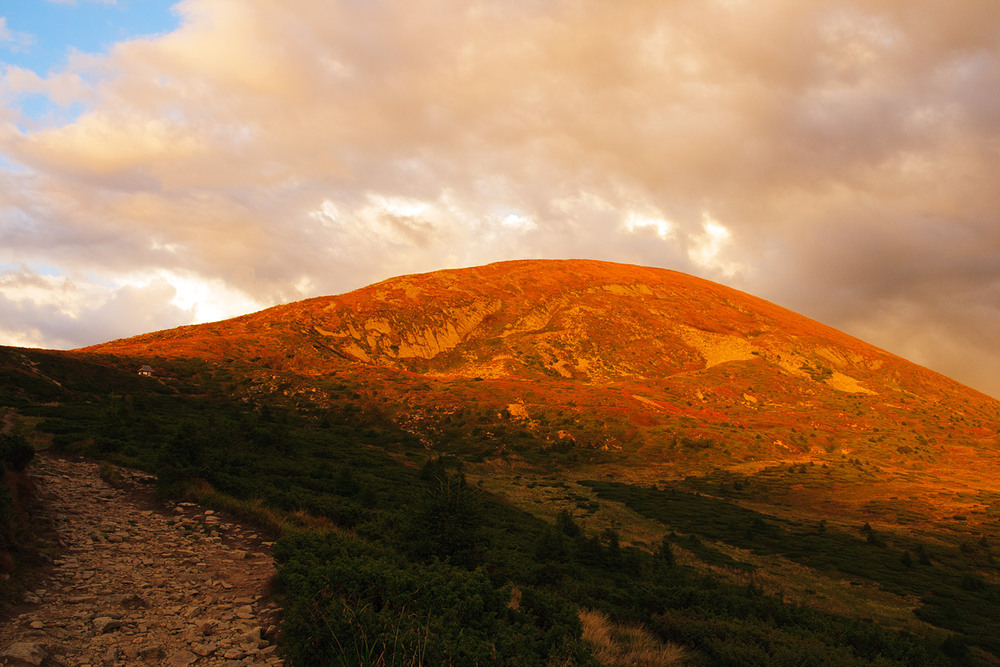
(136, 582)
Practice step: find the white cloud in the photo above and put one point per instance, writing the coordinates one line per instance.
(110, 144)
(63, 88)
(56, 292)
(73, 312)
(207, 300)
(62, 312)
(518, 222)
(664, 229)
(708, 249)
(14, 40)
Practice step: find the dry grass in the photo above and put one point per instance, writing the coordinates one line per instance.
(536, 494)
(626, 645)
(254, 510)
(111, 475)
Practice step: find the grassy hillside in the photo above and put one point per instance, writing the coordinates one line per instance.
(461, 555)
(562, 462)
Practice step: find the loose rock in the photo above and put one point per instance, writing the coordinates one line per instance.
(24, 653)
(137, 582)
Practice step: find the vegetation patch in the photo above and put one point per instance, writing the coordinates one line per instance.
(953, 595)
(15, 527)
(389, 554)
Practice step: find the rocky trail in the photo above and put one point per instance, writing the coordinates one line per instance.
(134, 581)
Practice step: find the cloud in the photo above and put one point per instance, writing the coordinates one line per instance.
(69, 312)
(827, 155)
(13, 40)
(638, 223)
(707, 249)
(925, 331)
(63, 312)
(62, 89)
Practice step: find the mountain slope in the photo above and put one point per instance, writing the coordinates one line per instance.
(662, 412)
(628, 356)
(585, 320)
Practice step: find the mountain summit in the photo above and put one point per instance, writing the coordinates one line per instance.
(581, 320)
(614, 355)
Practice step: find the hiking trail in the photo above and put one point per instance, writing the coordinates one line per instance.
(134, 580)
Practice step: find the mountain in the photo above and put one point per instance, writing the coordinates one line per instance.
(531, 444)
(614, 356)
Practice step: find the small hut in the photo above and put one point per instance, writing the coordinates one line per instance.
(146, 371)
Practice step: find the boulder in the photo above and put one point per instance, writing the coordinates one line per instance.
(24, 653)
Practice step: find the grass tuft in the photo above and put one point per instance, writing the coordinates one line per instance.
(111, 475)
(626, 645)
(253, 510)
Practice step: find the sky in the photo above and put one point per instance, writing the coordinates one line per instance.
(170, 162)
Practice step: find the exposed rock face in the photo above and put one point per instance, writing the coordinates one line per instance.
(397, 338)
(139, 584)
(574, 319)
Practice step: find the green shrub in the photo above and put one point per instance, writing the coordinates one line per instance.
(354, 603)
(448, 524)
(15, 452)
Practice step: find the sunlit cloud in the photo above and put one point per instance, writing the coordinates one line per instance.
(103, 145)
(90, 309)
(664, 229)
(69, 312)
(708, 248)
(518, 222)
(205, 300)
(56, 292)
(62, 89)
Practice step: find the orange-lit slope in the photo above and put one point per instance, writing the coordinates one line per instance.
(660, 347)
(588, 320)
